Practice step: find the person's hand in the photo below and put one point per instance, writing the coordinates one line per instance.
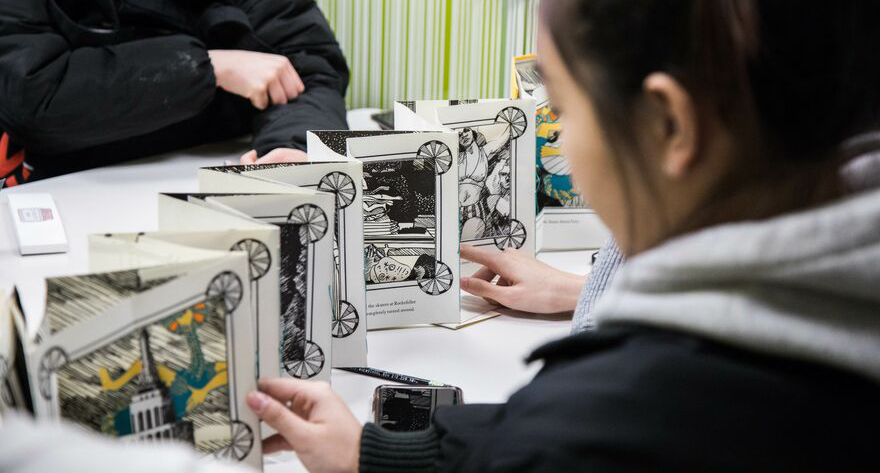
(524, 283)
(277, 155)
(264, 79)
(312, 420)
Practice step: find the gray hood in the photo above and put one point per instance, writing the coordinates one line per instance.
(804, 285)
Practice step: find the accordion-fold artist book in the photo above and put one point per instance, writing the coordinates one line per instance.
(291, 269)
(342, 180)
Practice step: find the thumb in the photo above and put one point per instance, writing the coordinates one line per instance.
(292, 427)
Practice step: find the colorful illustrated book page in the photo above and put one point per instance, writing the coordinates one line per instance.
(148, 354)
(565, 220)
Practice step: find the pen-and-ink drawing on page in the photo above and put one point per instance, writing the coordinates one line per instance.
(487, 181)
(346, 319)
(301, 356)
(401, 228)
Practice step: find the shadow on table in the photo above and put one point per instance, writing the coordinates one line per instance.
(516, 314)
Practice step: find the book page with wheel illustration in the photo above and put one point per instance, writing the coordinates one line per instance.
(340, 178)
(153, 354)
(410, 227)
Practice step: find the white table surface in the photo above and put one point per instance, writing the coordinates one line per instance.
(484, 359)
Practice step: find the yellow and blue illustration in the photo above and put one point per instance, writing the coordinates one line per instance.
(167, 379)
(554, 184)
(187, 387)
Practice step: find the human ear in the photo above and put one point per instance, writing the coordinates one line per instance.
(676, 118)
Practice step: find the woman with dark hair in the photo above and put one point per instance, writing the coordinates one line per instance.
(743, 333)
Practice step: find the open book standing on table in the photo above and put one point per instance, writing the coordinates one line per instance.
(154, 352)
(495, 153)
(410, 250)
(342, 180)
(564, 220)
(292, 270)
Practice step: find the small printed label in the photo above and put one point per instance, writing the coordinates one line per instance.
(391, 308)
(34, 214)
(562, 221)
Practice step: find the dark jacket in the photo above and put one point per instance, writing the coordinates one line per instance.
(89, 82)
(633, 398)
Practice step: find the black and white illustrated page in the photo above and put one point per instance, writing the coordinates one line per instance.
(410, 185)
(153, 354)
(330, 145)
(306, 277)
(495, 156)
(341, 179)
(496, 160)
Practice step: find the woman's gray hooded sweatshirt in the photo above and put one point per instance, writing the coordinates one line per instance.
(804, 285)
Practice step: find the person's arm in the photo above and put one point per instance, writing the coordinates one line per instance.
(607, 261)
(314, 421)
(298, 30)
(524, 435)
(386, 451)
(56, 99)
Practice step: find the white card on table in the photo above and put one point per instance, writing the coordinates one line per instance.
(37, 223)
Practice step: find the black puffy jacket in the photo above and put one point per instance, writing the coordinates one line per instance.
(89, 82)
(634, 398)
